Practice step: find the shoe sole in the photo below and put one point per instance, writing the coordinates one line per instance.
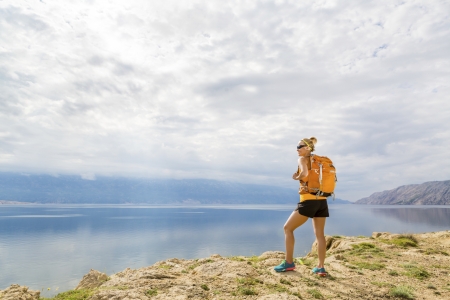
(287, 269)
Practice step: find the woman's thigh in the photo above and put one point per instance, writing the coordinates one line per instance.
(319, 226)
(295, 220)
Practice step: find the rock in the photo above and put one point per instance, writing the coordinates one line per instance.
(91, 280)
(329, 241)
(272, 254)
(17, 292)
(339, 257)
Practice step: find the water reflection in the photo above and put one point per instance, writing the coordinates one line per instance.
(436, 216)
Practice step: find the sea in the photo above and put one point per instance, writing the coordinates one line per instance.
(50, 247)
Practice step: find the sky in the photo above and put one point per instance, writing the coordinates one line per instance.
(225, 90)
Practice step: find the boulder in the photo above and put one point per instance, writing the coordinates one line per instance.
(17, 292)
(92, 280)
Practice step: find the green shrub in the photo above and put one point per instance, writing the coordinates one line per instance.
(151, 292)
(284, 281)
(380, 284)
(82, 294)
(249, 281)
(402, 291)
(403, 241)
(276, 287)
(205, 287)
(365, 248)
(416, 272)
(315, 293)
(304, 261)
(369, 266)
(393, 273)
(430, 251)
(247, 291)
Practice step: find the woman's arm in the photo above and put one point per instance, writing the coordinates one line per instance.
(303, 168)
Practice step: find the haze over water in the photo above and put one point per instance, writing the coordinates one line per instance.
(53, 246)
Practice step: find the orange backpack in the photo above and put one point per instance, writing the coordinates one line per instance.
(321, 178)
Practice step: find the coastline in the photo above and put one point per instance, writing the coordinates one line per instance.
(382, 266)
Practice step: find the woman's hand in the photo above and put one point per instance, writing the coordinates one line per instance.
(295, 176)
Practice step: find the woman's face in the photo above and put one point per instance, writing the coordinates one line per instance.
(304, 150)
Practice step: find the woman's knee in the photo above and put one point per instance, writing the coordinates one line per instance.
(287, 228)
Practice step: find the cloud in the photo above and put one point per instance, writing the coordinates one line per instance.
(224, 90)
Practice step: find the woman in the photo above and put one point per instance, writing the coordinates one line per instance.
(309, 206)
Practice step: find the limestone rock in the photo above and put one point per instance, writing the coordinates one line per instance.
(272, 254)
(17, 292)
(91, 280)
(329, 241)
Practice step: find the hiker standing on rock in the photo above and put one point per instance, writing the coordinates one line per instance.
(313, 204)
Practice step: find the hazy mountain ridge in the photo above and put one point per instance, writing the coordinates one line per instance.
(110, 190)
(428, 193)
(114, 190)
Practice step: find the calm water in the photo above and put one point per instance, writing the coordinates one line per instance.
(53, 246)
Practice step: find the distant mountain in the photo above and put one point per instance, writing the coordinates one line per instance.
(428, 193)
(338, 201)
(110, 190)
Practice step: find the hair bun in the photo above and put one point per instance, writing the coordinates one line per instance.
(313, 140)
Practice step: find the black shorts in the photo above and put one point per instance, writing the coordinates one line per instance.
(313, 208)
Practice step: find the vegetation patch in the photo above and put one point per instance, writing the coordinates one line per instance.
(304, 261)
(254, 259)
(369, 266)
(82, 294)
(403, 241)
(193, 266)
(237, 258)
(365, 248)
(393, 273)
(276, 287)
(151, 292)
(284, 281)
(246, 291)
(381, 284)
(315, 294)
(415, 271)
(310, 282)
(430, 251)
(249, 281)
(402, 291)
(166, 267)
(204, 287)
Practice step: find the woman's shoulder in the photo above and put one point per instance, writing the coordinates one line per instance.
(303, 158)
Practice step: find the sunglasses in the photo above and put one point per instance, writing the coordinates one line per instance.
(301, 146)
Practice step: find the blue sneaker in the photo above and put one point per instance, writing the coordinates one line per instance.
(319, 271)
(285, 266)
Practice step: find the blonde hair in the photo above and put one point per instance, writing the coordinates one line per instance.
(311, 142)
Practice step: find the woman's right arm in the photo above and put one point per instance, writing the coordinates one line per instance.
(303, 168)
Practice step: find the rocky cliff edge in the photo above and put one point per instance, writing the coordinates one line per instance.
(384, 266)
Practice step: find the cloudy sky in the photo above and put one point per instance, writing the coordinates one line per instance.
(225, 89)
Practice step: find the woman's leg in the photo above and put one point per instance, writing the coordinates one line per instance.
(295, 220)
(319, 231)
